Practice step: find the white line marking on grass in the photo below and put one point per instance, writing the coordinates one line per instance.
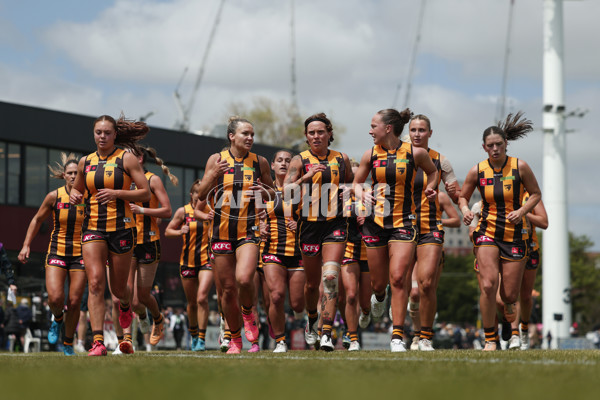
(375, 358)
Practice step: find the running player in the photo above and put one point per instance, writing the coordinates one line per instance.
(196, 273)
(282, 262)
(146, 254)
(234, 182)
(430, 239)
(64, 253)
(537, 218)
(316, 174)
(389, 229)
(108, 233)
(500, 238)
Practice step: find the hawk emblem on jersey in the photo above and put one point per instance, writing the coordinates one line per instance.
(507, 187)
(335, 173)
(109, 173)
(400, 169)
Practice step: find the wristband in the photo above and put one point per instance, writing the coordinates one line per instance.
(462, 210)
(141, 210)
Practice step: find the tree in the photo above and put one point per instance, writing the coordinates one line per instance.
(458, 291)
(275, 122)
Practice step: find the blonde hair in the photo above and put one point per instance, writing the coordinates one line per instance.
(57, 171)
(150, 152)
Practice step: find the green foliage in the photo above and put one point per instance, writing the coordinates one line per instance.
(276, 122)
(458, 291)
(585, 283)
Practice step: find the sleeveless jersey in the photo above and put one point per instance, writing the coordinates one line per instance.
(429, 212)
(533, 239)
(281, 240)
(501, 193)
(65, 239)
(195, 243)
(320, 197)
(393, 175)
(356, 248)
(146, 226)
(106, 173)
(236, 215)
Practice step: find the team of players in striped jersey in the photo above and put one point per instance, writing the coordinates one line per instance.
(321, 226)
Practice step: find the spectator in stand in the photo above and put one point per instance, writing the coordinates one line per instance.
(6, 269)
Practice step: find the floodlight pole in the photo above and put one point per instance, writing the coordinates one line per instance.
(556, 268)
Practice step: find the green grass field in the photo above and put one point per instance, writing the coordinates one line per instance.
(369, 375)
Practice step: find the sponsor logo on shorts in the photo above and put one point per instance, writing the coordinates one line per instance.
(437, 235)
(484, 239)
(220, 246)
(187, 272)
(90, 236)
(271, 257)
(56, 261)
(517, 251)
(371, 239)
(534, 261)
(124, 243)
(339, 233)
(310, 248)
(148, 256)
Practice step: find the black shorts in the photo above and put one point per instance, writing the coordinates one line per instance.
(431, 238)
(64, 262)
(313, 235)
(147, 253)
(375, 236)
(118, 242)
(511, 251)
(534, 260)
(221, 247)
(186, 272)
(291, 263)
(363, 264)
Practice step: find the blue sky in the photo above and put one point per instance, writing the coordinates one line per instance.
(103, 57)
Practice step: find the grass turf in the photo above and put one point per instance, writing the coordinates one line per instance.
(443, 374)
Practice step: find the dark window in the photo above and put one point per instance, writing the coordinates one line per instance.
(14, 174)
(36, 175)
(2, 172)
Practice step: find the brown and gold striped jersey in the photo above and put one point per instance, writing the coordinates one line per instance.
(147, 226)
(501, 192)
(195, 243)
(106, 173)
(533, 239)
(65, 239)
(429, 212)
(393, 175)
(320, 197)
(236, 213)
(356, 248)
(281, 240)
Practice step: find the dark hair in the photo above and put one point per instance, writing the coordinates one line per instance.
(512, 128)
(149, 152)
(321, 117)
(57, 171)
(129, 132)
(396, 119)
(422, 118)
(281, 151)
(233, 123)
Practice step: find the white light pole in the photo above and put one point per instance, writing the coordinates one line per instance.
(556, 268)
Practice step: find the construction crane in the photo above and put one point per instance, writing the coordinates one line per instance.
(183, 124)
(501, 106)
(413, 58)
(293, 61)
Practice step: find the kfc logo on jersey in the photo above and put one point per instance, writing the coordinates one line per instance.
(190, 219)
(63, 206)
(91, 168)
(486, 181)
(220, 246)
(231, 170)
(91, 236)
(271, 258)
(379, 163)
(370, 239)
(484, 239)
(308, 167)
(56, 261)
(310, 248)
